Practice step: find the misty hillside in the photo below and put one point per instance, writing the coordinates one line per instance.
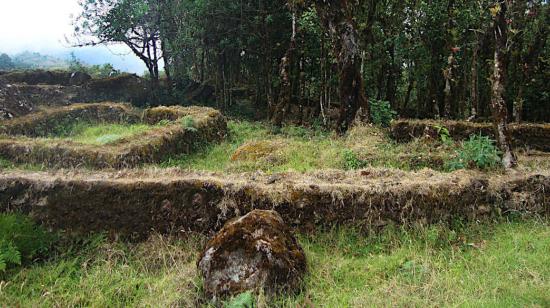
(61, 59)
(35, 60)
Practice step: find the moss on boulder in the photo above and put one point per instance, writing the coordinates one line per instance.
(255, 252)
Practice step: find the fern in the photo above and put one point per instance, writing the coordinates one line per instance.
(20, 240)
(9, 255)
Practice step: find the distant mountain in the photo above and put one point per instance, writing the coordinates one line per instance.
(35, 60)
(119, 56)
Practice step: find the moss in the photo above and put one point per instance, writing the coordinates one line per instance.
(263, 149)
(260, 250)
(133, 203)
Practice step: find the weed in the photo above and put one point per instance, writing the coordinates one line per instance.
(351, 161)
(477, 152)
(444, 135)
(381, 112)
(5, 164)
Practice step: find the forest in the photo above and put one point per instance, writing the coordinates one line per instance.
(298, 59)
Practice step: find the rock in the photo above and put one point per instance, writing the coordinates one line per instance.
(254, 252)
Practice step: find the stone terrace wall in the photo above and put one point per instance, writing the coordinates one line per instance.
(134, 203)
(527, 135)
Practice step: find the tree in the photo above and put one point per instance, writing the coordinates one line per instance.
(337, 18)
(135, 23)
(6, 62)
(498, 104)
(285, 92)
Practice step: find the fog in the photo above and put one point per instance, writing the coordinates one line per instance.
(45, 25)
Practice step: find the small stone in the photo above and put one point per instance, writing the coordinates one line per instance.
(254, 252)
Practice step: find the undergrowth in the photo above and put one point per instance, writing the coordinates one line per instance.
(21, 241)
(479, 264)
(478, 152)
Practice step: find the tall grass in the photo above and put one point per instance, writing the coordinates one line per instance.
(493, 264)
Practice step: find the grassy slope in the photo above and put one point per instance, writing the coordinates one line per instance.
(501, 264)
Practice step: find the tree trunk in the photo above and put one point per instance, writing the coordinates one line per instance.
(474, 88)
(337, 17)
(285, 93)
(448, 74)
(498, 105)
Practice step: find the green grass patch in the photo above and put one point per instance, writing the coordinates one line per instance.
(492, 264)
(101, 134)
(302, 149)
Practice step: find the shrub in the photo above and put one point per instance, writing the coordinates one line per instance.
(381, 112)
(20, 240)
(477, 152)
(444, 134)
(351, 161)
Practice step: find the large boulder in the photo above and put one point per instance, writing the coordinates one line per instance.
(255, 252)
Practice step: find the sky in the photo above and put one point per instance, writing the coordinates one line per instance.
(43, 25)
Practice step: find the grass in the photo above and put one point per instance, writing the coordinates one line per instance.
(301, 149)
(304, 150)
(101, 134)
(263, 148)
(491, 264)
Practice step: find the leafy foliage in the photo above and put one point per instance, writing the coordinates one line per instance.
(351, 161)
(478, 152)
(20, 240)
(381, 112)
(444, 134)
(97, 71)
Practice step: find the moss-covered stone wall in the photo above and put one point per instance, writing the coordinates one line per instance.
(526, 135)
(134, 203)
